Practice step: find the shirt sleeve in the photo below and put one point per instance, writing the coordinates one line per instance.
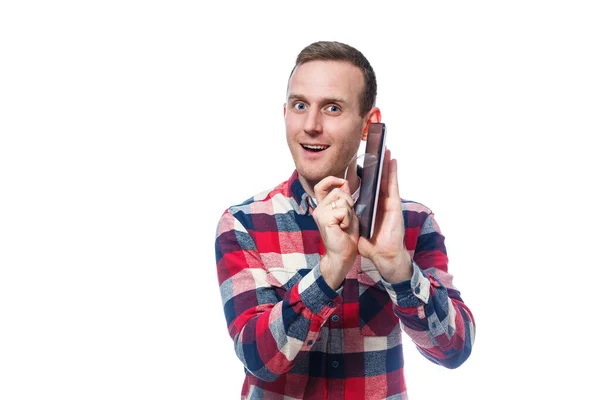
(270, 329)
(430, 308)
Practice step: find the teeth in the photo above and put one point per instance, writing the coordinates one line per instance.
(307, 146)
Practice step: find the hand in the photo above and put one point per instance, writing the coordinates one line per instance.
(386, 247)
(338, 226)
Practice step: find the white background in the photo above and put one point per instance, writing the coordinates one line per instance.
(127, 128)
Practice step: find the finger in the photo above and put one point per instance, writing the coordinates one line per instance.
(339, 204)
(353, 228)
(365, 247)
(343, 217)
(385, 173)
(336, 194)
(393, 189)
(323, 188)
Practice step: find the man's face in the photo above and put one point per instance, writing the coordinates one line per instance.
(322, 118)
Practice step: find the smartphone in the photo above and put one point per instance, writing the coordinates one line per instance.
(366, 205)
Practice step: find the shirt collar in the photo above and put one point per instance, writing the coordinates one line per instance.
(299, 196)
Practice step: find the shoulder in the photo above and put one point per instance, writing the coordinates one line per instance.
(412, 206)
(416, 214)
(267, 202)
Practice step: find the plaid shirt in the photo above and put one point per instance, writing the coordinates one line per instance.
(300, 339)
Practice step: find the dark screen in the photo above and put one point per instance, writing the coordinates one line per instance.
(370, 180)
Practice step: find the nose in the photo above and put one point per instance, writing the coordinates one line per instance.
(313, 124)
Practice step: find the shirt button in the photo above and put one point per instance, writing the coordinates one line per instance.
(309, 342)
(417, 290)
(331, 304)
(335, 364)
(335, 318)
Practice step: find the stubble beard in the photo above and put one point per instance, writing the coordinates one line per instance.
(309, 177)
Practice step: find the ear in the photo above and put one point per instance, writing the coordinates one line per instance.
(373, 116)
(284, 109)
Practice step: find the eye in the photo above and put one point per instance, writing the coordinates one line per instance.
(333, 108)
(300, 106)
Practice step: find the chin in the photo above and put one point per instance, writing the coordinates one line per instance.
(313, 177)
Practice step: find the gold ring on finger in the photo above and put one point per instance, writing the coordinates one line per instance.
(333, 205)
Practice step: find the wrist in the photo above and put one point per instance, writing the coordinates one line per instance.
(395, 269)
(333, 272)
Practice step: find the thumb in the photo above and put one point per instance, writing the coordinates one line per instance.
(365, 248)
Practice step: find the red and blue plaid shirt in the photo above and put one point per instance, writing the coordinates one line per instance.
(300, 339)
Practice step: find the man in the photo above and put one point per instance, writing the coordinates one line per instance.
(314, 310)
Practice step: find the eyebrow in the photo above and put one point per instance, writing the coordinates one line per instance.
(325, 100)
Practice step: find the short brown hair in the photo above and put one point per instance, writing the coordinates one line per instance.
(335, 51)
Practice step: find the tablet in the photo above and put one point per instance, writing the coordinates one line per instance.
(366, 205)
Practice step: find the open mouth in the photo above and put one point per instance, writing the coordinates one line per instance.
(315, 148)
